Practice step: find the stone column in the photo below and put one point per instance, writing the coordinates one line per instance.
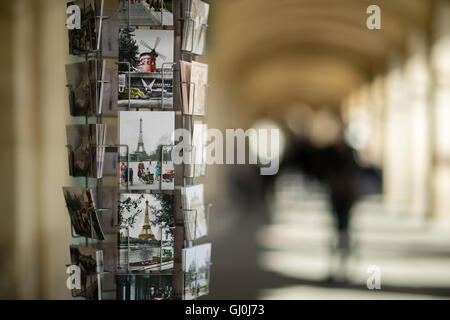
(440, 98)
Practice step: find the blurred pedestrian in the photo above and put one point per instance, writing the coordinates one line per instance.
(342, 178)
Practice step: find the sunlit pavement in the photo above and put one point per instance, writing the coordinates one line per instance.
(285, 254)
(414, 258)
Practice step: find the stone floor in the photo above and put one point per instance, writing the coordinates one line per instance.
(288, 256)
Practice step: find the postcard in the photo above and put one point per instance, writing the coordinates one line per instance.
(194, 212)
(90, 262)
(146, 68)
(199, 142)
(110, 29)
(149, 165)
(195, 26)
(108, 201)
(185, 72)
(82, 83)
(146, 232)
(85, 149)
(144, 287)
(110, 106)
(196, 265)
(85, 39)
(146, 13)
(88, 96)
(194, 87)
(198, 89)
(111, 162)
(110, 256)
(79, 150)
(81, 206)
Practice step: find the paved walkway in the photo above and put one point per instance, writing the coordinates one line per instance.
(289, 258)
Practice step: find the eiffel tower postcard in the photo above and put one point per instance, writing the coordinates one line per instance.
(146, 236)
(147, 133)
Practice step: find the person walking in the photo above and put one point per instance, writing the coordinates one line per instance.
(343, 179)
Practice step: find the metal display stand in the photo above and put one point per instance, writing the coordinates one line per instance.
(188, 180)
(181, 178)
(97, 56)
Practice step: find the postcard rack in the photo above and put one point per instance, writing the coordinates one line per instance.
(92, 55)
(184, 175)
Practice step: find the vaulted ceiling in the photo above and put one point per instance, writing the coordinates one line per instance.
(275, 53)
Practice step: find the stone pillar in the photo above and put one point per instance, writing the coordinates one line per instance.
(397, 152)
(440, 98)
(417, 86)
(40, 112)
(7, 162)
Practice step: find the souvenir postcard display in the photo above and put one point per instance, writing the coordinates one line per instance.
(196, 259)
(92, 206)
(133, 77)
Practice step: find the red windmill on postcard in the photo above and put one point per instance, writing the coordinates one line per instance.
(148, 59)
